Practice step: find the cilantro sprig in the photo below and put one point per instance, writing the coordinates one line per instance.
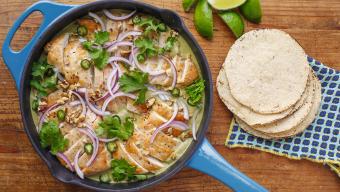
(111, 127)
(50, 136)
(121, 170)
(195, 92)
(98, 55)
(134, 81)
(150, 25)
(43, 79)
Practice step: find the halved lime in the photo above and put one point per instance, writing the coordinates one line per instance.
(188, 4)
(225, 4)
(251, 10)
(203, 19)
(234, 22)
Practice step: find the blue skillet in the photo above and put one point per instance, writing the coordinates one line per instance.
(200, 154)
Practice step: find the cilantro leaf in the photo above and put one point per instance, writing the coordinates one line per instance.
(50, 136)
(98, 55)
(134, 81)
(44, 79)
(146, 46)
(112, 127)
(101, 37)
(122, 170)
(195, 92)
(150, 25)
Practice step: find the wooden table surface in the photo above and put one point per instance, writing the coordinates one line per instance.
(314, 23)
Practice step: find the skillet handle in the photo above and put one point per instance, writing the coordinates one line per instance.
(207, 160)
(15, 60)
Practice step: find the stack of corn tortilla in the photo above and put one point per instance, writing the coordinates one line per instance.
(267, 84)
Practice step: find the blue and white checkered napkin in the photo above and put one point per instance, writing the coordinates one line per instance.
(320, 142)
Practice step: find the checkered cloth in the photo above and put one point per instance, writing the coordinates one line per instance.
(320, 142)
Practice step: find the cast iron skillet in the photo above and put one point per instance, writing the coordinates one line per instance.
(200, 154)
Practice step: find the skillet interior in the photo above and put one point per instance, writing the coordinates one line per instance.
(169, 18)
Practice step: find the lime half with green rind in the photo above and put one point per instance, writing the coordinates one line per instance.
(203, 19)
(234, 22)
(188, 4)
(225, 4)
(251, 10)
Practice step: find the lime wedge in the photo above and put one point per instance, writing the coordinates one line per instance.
(203, 19)
(234, 22)
(225, 4)
(251, 10)
(188, 4)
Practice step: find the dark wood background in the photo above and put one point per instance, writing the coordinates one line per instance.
(314, 23)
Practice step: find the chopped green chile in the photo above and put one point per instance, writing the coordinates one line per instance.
(88, 148)
(85, 64)
(61, 115)
(82, 30)
(111, 146)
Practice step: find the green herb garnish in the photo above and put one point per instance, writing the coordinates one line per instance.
(50, 136)
(122, 170)
(150, 25)
(134, 81)
(112, 127)
(44, 79)
(146, 47)
(99, 55)
(169, 44)
(195, 92)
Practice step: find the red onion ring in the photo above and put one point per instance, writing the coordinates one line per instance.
(119, 59)
(179, 124)
(95, 145)
(66, 160)
(75, 103)
(118, 18)
(118, 94)
(98, 138)
(76, 165)
(99, 20)
(122, 36)
(107, 140)
(119, 44)
(174, 71)
(135, 61)
(193, 126)
(165, 125)
(81, 101)
(43, 116)
(91, 106)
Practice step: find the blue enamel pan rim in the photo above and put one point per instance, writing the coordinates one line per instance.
(200, 155)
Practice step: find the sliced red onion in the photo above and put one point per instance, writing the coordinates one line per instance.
(81, 101)
(94, 142)
(66, 160)
(111, 81)
(174, 71)
(43, 116)
(98, 138)
(75, 103)
(93, 108)
(99, 20)
(165, 125)
(118, 18)
(179, 124)
(122, 36)
(76, 165)
(109, 44)
(119, 44)
(135, 61)
(112, 97)
(119, 59)
(193, 126)
(185, 107)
